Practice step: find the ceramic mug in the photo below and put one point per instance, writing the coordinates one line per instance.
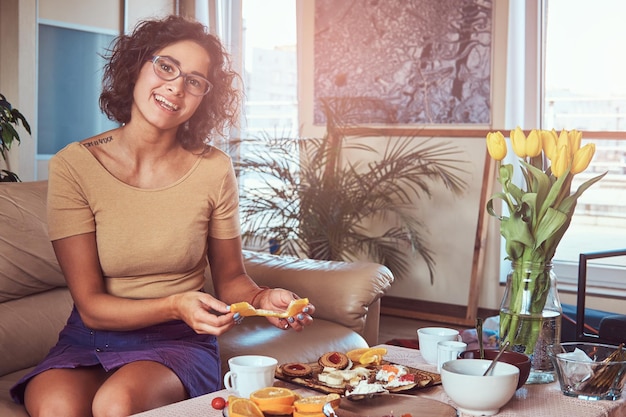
(249, 373)
(428, 338)
(449, 350)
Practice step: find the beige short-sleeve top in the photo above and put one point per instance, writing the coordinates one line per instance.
(151, 242)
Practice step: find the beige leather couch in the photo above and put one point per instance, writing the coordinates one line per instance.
(34, 301)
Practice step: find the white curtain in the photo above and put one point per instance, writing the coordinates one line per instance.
(224, 19)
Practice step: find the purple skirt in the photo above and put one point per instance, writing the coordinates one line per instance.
(193, 357)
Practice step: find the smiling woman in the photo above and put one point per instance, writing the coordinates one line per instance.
(136, 273)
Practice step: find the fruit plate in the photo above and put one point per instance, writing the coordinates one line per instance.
(396, 405)
(422, 378)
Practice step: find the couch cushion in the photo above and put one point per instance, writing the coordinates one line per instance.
(27, 262)
(254, 337)
(30, 326)
(7, 407)
(342, 292)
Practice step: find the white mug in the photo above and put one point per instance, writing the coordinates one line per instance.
(428, 338)
(449, 350)
(249, 373)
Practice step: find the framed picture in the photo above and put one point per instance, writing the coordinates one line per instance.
(407, 63)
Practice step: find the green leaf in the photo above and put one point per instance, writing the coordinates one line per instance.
(542, 186)
(515, 228)
(490, 208)
(321, 204)
(529, 202)
(581, 189)
(19, 116)
(8, 135)
(550, 223)
(515, 192)
(553, 194)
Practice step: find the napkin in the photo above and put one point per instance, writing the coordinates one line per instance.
(575, 369)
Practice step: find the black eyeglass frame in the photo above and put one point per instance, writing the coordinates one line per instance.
(182, 74)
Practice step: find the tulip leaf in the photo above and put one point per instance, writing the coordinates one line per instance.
(514, 249)
(515, 228)
(553, 241)
(553, 194)
(490, 208)
(550, 223)
(515, 192)
(587, 184)
(529, 201)
(543, 186)
(506, 175)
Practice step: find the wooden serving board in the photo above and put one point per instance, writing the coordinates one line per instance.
(312, 382)
(396, 405)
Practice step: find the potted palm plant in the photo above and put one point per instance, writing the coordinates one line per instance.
(305, 196)
(9, 121)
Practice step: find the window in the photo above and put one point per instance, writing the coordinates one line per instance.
(585, 89)
(270, 67)
(70, 77)
(270, 75)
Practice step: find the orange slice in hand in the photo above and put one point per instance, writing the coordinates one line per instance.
(246, 310)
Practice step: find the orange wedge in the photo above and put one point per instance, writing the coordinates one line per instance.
(246, 310)
(299, 414)
(274, 400)
(373, 356)
(315, 403)
(243, 407)
(355, 354)
(277, 409)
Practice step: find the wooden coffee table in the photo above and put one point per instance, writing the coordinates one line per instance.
(545, 400)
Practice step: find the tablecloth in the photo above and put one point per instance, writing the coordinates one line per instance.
(543, 400)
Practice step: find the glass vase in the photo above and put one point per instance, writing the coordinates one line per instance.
(530, 316)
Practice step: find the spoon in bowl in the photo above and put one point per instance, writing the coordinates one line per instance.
(493, 362)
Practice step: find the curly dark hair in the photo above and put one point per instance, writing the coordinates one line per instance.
(219, 108)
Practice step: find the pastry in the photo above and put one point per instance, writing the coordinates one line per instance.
(296, 369)
(335, 360)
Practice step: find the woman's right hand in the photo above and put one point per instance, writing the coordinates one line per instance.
(204, 313)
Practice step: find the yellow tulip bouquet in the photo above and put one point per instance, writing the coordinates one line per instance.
(538, 215)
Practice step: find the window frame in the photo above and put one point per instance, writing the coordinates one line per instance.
(526, 71)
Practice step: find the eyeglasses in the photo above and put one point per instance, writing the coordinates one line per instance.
(166, 69)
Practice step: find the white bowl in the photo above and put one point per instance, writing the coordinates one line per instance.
(474, 393)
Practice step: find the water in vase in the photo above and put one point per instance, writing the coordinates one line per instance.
(548, 332)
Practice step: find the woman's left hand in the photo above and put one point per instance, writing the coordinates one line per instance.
(278, 299)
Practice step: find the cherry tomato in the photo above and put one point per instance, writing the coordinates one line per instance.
(218, 403)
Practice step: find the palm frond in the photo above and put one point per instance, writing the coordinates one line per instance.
(303, 193)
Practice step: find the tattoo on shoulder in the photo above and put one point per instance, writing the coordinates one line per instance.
(99, 141)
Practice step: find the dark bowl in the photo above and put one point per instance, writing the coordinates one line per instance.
(514, 358)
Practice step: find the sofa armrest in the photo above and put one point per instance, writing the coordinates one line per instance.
(347, 293)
